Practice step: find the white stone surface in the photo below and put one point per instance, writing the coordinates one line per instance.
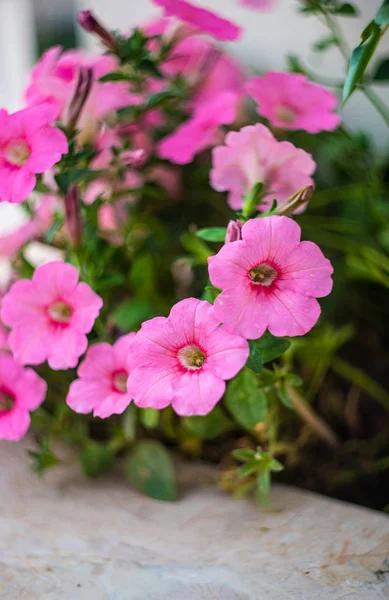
(70, 539)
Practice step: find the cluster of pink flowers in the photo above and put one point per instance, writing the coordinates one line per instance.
(269, 279)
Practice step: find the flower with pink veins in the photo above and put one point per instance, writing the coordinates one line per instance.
(258, 4)
(54, 80)
(50, 315)
(21, 391)
(253, 155)
(290, 101)
(200, 132)
(270, 280)
(102, 383)
(202, 19)
(184, 360)
(29, 144)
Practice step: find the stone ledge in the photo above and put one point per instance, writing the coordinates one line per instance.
(70, 539)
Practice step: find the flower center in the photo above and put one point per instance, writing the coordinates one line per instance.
(191, 357)
(263, 275)
(285, 114)
(17, 153)
(60, 312)
(7, 402)
(119, 381)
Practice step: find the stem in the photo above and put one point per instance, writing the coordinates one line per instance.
(376, 101)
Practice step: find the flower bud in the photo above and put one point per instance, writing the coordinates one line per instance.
(134, 158)
(296, 201)
(234, 232)
(80, 96)
(73, 216)
(89, 23)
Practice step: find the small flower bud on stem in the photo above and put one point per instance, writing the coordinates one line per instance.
(73, 216)
(303, 196)
(89, 23)
(80, 96)
(234, 232)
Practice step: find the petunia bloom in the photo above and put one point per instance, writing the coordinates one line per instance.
(253, 155)
(102, 383)
(29, 144)
(21, 391)
(270, 280)
(290, 101)
(200, 132)
(184, 360)
(258, 4)
(201, 18)
(50, 316)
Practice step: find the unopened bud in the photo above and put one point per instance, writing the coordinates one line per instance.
(234, 232)
(89, 23)
(296, 201)
(73, 216)
(80, 96)
(134, 158)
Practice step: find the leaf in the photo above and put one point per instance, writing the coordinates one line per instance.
(212, 234)
(149, 417)
(381, 72)
(360, 58)
(159, 98)
(270, 347)
(131, 313)
(56, 226)
(43, 458)
(346, 10)
(210, 294)
(96, 459)
(143, 275)
(243, 454)
(276, 466)
(151, 471)
(196, 247)
(245, 400)
(117, 76)
(254, 362)
(382, 16)
(263, 487)
(284, 396)
(207, 427)
(128, 423)
(324, 43)
(249, 468)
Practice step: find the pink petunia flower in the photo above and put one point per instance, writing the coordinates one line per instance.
(258, 4)
(253, 155)
(102, 383)
(290, 101)
(54, 80)
(50, 315)
(200, 132)
(270, 280)
(28, 145)
(21, 391)
(184, 360)
(201, 18)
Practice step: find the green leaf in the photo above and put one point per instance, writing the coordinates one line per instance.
(245, 400)
(276, 466)
(346, 10)
(270, 347)
(249, 468)
(151, 471)
(360, 58)
(43, 458)
(254, 362)
(56, 226)
(67, 178)
(243, 454)
(160, 97)
(207, 427)
(149, 417)
(381, 72)
(143, 275)
(96, 459)
(212, 234)
(324, 43)
(130, 314)
(210, 293)
(117, 76)
(196, 247)
(284, 396)
(263, 487)
(294, 64)
(382, 16)
(128, 423)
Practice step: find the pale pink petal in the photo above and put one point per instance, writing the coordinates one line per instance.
(48, 144)
(121, 350)
(29, 381)
(99, 364)
(84, 396)
(30, 344)
(226, 354)
(196, 393)
(67, 345)
(86, 305)
(56, 280)
(113, 404)
(291, 314)
(14, 425)
(22, 185)
(151, 386)
(243, 311)
(306, 271)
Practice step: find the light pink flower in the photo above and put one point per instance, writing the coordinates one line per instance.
(253, 155)
(37, 225)
(54, 80)
(290, 101)
(184, 360)
(50, 315)
(104, 187)
(200, 132)
(21, 391)
(270, 280)
(28, 145)
(102, 383)
(201, 18)
(258, 4)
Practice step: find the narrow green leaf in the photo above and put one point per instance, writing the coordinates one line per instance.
(263, 487)
(212, 234)
(382, 16)
(324, 43)
(117, 76)
(245, 400)
(210, 293)
(346, 10)
(360, 58)
(151, 471)
(243, 454)
(248, 469)
(207, 427)
(276, 466)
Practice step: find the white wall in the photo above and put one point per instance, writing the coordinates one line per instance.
(269, 37)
